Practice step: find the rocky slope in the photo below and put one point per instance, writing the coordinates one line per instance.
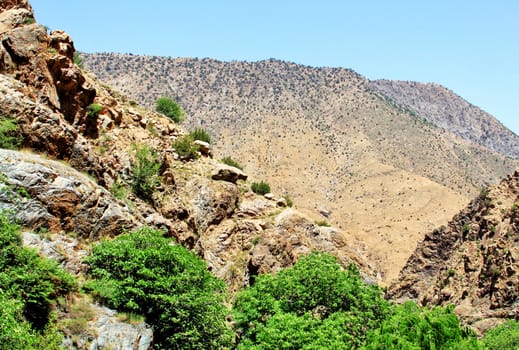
(473, 262)
(64, 182)
(444, 108)
(323, 136)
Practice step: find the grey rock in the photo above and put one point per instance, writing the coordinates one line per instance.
(228, 173)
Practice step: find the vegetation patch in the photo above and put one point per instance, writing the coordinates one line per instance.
(29, 287)
(201, 135)
(10, 137)
(169, 108)
(143, 273)
(185, 147)
(144, 170)
(231, 162)
(261, 187)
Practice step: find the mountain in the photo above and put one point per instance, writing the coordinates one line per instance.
(330, 139)
(444, 108)
(472, 262)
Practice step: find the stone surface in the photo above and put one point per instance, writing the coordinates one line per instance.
(228, 173)
(60, 198)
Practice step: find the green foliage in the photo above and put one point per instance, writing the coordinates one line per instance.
(78, 59)
(323, 223)
(9, 134)
(261, 187)
(231, 162)
(185, 147)
(169, 108)
(411, 327)
(288, 200)
(317, 304)
(141, 272)
(29, 285)
(201, 135)
(325, 304)
(93, 110)
(145, 169)
(503, 337)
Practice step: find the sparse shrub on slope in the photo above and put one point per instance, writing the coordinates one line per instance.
(145, 169)
(169, 108)
(231, 162)
(185, 147)
(201, 135)
(9, 135)
(261, 187)
(141, 272)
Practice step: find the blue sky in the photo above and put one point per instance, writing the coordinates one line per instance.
(471, 47)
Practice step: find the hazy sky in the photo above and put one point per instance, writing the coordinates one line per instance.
(469, 46)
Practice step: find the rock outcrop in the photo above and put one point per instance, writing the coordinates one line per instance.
(57, 198)
(473, 262)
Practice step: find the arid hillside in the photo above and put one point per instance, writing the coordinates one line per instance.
(342, 152)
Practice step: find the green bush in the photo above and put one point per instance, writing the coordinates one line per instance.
(9, 135)
(185, 147)
(503, 337)
(78, 59)
(314, 294)
(261, 187)
(29, 286)
(144, 171)
(231, 162)
(93, 110)
(169, 108)
(322, 223)
(317, 304)
(143, 273)
(289, 201)
(201, 135)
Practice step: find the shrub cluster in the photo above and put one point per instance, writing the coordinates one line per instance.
(141, 272)
(185, 147)
(144, 171)
(169, 108)
(200, 134)
(9, 134)
(261, 187)
(29, 286)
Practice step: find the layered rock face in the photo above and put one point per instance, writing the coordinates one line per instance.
(473, 262)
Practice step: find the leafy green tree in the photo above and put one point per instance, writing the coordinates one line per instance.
(29, 285)
(411, 327)
(145, 172)
(142, 272)
(169, 108)
(316, 292)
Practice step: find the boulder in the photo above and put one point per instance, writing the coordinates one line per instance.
(228, 173)
(204, 148)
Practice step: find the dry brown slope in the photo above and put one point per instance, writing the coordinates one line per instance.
(319, 135)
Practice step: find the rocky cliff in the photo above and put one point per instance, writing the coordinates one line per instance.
(472, 262)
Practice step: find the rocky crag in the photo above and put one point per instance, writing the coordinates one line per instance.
(472, 262)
